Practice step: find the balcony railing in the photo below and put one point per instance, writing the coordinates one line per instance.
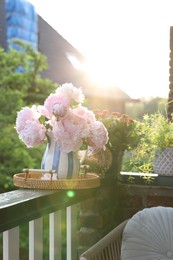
(24, 206)
(55, 214)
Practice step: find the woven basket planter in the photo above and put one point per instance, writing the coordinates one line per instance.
(163, 162)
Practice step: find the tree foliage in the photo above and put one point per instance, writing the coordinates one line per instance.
(21, 84)
(139, 109)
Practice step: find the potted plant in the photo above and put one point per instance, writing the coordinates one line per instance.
(154, 152)
(162, 138)
(120, 129)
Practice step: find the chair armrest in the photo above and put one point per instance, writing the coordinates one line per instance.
(109, 247)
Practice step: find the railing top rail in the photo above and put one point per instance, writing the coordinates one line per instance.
(22, 205)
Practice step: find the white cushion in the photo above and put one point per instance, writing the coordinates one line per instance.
(148, 235)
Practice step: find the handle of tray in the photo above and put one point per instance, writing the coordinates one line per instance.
(27, 171)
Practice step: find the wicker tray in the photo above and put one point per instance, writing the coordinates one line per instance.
(33, 180)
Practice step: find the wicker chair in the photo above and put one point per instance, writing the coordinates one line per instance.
(147, 235)
(108, 248)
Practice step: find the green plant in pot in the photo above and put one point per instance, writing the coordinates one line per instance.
(154, 153)
(162, 137)
(120, 129)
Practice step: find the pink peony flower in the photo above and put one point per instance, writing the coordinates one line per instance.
(33, 133)
(71, 92)
(56, 104)
(70, 132)
(59, 110)
(24, 115)
(44, 111)
(98, 136)
(85, 113)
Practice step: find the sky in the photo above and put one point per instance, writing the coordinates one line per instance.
(126, 42)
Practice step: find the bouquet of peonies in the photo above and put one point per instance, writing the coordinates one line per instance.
(73, 125)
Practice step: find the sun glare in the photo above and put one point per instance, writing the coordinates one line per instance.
(101, 74)
(122, 46)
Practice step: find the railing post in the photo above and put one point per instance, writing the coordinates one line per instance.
(72, 232)
(55, 241)
(35, 239)
(11, 244)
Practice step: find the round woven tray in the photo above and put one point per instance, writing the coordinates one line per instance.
(34, 181)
